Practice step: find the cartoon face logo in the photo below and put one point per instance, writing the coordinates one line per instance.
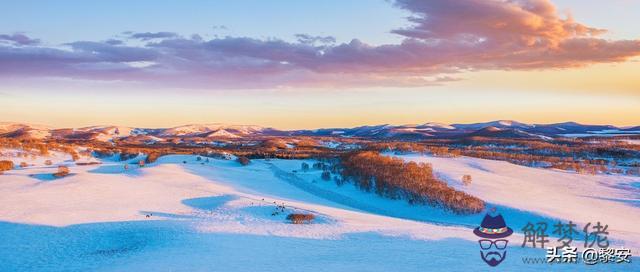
(493, 246)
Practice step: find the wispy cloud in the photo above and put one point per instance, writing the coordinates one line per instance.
(445, 38)
(145, 36)
(18, 39)
(309, 39)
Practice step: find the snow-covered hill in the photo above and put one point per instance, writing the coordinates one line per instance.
(436, 126)
(496, 124)
(23, 131)
(497, 129)
(184, 214)
(108, 133)
(220, 129)
(610, 199)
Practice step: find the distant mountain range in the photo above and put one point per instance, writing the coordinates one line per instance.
(498, 129)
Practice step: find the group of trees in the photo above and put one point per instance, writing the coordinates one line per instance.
(394, 178)
(274, 143)
(326, 173)
(36, 148)
(571, 161)
(5, 166)
(588, 157)
(153, 157)
(251, 148)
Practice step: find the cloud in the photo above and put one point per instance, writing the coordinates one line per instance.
(82, 60)
(444, 38)
(308, 39)
(18, 39)
(145, 36)
(114, 42)
(510, 34)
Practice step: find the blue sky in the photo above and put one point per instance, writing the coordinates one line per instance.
(370, 20)
(64, 21)
(618, 16)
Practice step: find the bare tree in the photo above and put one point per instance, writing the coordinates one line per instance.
(466, 180)
(62, 171)
(326, 175)
(243, 160)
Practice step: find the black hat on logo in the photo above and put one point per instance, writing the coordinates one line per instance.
(493, 227)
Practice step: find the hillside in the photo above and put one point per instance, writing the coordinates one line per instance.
(220, 213)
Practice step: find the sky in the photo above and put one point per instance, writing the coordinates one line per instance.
(309, 64)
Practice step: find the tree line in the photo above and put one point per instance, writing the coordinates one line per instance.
(396, 179)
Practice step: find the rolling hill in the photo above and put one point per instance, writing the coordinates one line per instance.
(495, 129)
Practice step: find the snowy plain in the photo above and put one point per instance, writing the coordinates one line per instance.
(182, 214)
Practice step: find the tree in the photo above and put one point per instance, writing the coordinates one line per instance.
(74, 155)
(326, 175)
(62, 171)
(44, 151)
(466, 180)
(243, 160)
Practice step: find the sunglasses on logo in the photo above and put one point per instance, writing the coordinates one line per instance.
(499, 244)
